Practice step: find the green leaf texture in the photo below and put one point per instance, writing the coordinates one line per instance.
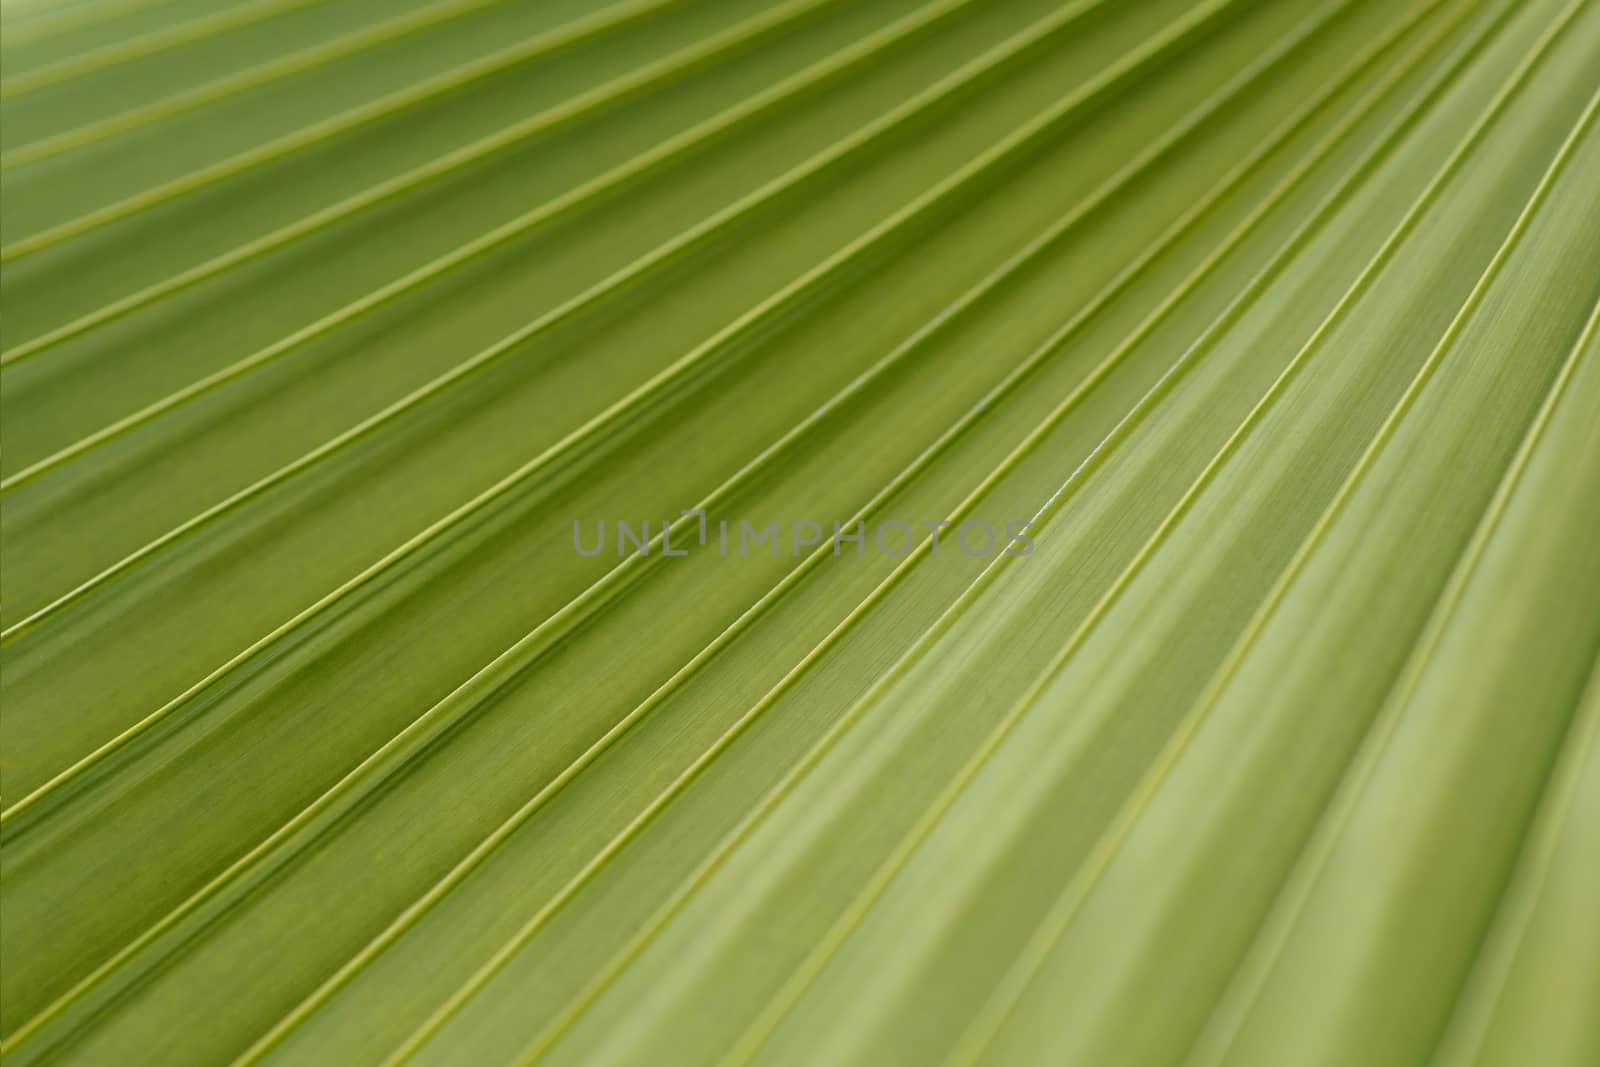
(326, 323)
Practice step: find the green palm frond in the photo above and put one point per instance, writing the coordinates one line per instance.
(722, 532)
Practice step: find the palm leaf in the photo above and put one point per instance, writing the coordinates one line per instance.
(1212, 385)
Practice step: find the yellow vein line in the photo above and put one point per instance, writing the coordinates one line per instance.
(575, 1008)
(1297, 892)
(519, 656)
(620, 177)
(638, 400)
(240, 82)
(542, 45)
(146, 45)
